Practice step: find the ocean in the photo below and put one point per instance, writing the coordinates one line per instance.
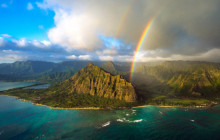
(10, 85)
(21, 120)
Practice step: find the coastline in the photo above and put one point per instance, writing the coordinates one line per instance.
(154, 105)
(94, 108)
(98, 108)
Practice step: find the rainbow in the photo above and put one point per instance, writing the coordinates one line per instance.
(143, 36)
(145, 33)
(123, 19)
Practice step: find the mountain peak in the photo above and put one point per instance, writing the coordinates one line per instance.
(90, 64)
(95, 81)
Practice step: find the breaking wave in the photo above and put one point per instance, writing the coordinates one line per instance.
(106, 124)
(125, 120)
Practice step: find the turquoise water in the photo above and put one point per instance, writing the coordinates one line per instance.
(10, 85)
(23, 120)
(20, 120)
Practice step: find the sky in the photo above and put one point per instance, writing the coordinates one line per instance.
(109, 30)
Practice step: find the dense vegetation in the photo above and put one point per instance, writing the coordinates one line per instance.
(95, 81)
(180, 79)
(65, 100)
(56, 77)
(175, 83)
(183, 102)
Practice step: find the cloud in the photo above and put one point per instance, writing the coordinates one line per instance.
(10, 51)
(74, 31)
(10, 56)
(46, 43)
(79, 26)
(21, 42)
(80, 57)
(84, 57)
(23, 49)
(71, 57)
(158, 55)
(30, 6)
(126, 58)
(106, 58)
(119, 58)
(2, 41)
(41, 44)
(6, 35)
(4, 5)
(107, 52)
(180, 28)
(35, 50)
(24, 43)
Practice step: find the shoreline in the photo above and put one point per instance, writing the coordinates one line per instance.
(173, 106)
(98, 108)
(94, 108)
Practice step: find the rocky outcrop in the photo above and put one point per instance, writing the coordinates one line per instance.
(95, 81)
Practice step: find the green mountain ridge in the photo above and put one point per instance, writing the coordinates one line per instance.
(90, 87)
(175, 83)
(36, 70)
(182, 79)
(95, 81)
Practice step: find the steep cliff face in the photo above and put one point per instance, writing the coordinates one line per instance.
(95, 81)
